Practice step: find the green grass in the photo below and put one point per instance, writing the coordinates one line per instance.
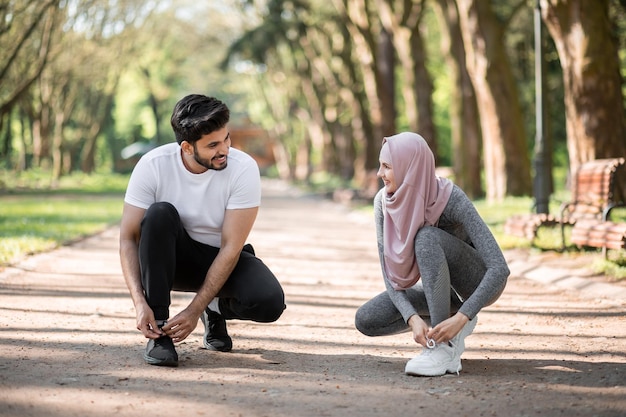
(37, 214)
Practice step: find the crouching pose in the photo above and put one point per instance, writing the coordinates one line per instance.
(188, 210)
(440, 263)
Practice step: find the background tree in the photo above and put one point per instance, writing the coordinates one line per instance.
(402, 20)
(588, 51)
(82, 80)
(26, 30)
(372, 55)
(466, 135)
(506, 161)
(26, 33)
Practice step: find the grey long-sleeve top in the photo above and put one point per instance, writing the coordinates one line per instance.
(460, 219)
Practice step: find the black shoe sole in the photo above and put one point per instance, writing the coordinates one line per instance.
(225, 348)
(160, 362)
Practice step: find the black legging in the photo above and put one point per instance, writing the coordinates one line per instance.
(171, 260)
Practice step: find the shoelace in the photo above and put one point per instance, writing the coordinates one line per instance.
(430, 343)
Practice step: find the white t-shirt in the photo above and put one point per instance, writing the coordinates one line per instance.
(201, 199)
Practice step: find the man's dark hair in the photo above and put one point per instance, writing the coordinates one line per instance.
(197, 115)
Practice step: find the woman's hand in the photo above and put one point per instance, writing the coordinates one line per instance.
(420, 329)
(447, 329)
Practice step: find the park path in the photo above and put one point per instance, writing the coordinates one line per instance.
(554, 344)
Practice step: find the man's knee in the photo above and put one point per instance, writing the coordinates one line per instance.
(160, 210)
(269, 309)
(160, 217)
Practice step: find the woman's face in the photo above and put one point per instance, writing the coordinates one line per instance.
(385, 173)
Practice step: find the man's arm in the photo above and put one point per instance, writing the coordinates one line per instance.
(237, 226)
(130, 229)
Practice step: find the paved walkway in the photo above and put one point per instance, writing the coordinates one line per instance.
(554, 344)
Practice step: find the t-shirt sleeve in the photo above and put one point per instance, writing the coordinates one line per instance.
(246, 192)
(141, 190)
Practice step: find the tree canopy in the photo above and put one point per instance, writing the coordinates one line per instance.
(80, 80)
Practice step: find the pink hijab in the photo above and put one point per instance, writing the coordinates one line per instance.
(419, 200)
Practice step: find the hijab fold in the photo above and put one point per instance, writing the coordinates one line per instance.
(419, 200)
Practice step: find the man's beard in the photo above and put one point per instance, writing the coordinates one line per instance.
(208, 163)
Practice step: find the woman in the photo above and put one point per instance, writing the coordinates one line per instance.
(439, 260)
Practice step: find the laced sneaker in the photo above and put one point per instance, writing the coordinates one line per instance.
(161, 352)
(215, 334)
(435, 361)
(458, 341)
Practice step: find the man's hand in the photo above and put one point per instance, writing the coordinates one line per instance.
(449, 328)
(181, 325)
(146, 323)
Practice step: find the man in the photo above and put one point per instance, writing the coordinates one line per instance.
(188, 210)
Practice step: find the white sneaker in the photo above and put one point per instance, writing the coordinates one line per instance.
(458, 341)
(441, 358)
(434, 362)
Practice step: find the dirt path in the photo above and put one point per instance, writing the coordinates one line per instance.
(68, 346)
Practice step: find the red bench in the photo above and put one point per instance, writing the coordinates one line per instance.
(593, 197)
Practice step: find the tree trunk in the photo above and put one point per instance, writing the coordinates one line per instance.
(7, 139)
(402, 20)
(366, 160)
(42, 126)
(364, 46)
(88, 154)
(464, 117)
(385, 60)
(588, 53)
(507, 163)
(57, 146)
(401, 23)
(424, 93)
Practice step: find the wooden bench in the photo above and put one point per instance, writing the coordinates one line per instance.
(599, 234)
(593, 197)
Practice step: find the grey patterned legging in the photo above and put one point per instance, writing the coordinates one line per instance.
(448, 267)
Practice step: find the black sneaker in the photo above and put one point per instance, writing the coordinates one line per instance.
(215, 335)
(161, 352)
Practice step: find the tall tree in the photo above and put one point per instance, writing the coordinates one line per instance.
(26, 29)
(464, 116)
(75, 93)
(26, 36)
(288, 90)
(372, 50)
(506, 160)
(594, 106)
(402, 19)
